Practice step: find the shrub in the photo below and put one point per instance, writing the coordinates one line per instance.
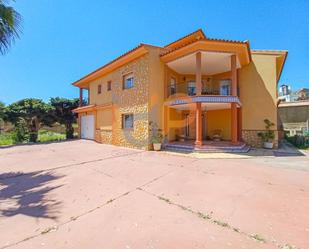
(157, 135)
(269, 134)
(6, 139)
(49, 136)
(300, 141)
(20, 133)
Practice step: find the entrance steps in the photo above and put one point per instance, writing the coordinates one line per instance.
(209, 147)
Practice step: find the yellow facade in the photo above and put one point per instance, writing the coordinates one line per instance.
(219, 119)
(258, 74)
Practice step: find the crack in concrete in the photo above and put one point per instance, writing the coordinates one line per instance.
(256, 237)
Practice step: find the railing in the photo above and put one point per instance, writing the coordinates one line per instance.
(189, 89)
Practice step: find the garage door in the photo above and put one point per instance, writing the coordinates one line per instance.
(87, 127)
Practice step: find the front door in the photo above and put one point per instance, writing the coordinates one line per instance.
(190, 124)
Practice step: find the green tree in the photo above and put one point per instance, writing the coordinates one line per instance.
(2, 110)
(10, 26)
(33, 111)
(62, 109)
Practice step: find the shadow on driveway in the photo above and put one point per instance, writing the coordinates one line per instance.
(28, 194)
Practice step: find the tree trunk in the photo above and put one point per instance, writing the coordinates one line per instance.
(33, 130)
(69, 130)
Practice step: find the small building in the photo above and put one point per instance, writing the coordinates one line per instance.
(294, 117)
(196, 89)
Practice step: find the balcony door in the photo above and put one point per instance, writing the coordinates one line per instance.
(191, 89)
(225, 87)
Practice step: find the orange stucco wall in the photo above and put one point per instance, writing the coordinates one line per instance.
(258, 92)
(219, 119)
(175, 124)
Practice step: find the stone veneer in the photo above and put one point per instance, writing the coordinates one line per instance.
(103, 136)
(251, 138)
(126, 101)
(135, 101)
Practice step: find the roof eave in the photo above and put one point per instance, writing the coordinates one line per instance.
(112, 65)
(164, 56)
(283, 53)
(284, 60)
(185, 37)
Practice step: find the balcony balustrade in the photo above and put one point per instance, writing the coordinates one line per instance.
(189, 89)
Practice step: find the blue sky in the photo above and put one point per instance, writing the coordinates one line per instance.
(64, 40)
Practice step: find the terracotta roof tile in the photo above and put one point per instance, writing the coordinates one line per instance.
(206, 39)
(199, 30)
(268, 51)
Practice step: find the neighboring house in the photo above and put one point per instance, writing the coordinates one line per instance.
(294, 117)
(287, 95)
(196, 89)
(303, 94)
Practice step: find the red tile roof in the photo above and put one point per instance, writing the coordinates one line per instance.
(191, 34)
(269, 51)
(205, 39)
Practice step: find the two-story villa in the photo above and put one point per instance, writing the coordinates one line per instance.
(197, 89)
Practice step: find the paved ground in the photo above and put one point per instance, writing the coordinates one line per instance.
(80, 194)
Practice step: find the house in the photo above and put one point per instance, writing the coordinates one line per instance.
(286, 94)
(197, 89)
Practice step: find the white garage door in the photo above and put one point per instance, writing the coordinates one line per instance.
(87, 127)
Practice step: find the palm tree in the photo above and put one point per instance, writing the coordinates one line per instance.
(10, 26)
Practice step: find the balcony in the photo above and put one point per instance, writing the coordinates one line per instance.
(189, 89)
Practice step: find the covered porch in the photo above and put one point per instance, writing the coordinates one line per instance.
(197, 111)
(202, 104)
(204, 123)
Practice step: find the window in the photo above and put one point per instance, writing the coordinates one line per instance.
(173, 86)
(127, 121)
(191, 88)
(128, 81)
(99, 89)
(225, 87)
(109, 86)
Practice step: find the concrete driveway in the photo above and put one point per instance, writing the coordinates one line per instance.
(81, 194)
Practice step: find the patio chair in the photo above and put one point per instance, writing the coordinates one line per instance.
(217, 135)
